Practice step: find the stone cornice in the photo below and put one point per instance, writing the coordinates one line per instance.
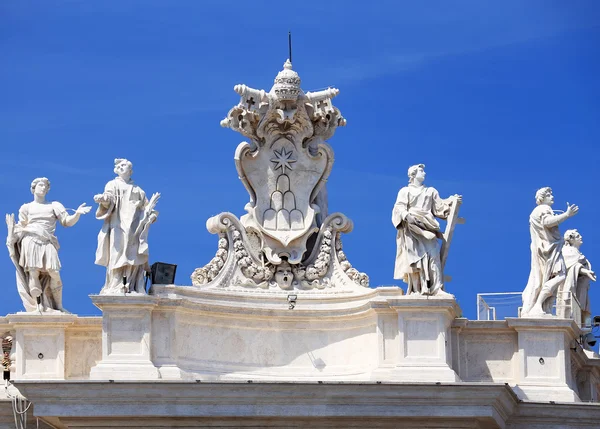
(91, 399)
(547, 323)
(257, 303)
(575, 415)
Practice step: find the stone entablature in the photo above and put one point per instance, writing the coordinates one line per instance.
(304, 404)
(183, 333)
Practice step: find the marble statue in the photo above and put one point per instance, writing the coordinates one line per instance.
(579, 272)
(548, 271)
(287, 240)
(419, 259)
(33, 248)
(123, 239)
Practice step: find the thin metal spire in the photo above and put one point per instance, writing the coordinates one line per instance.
(290, 45)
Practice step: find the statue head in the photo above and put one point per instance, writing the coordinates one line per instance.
(284, 276)
(573, 238)
(544, 196)
(123, 168)
(416, 173)
(40, 186)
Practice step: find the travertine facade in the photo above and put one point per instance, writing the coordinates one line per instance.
(201, 358)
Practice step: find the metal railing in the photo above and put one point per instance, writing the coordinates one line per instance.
(488, 304)
(499, 305)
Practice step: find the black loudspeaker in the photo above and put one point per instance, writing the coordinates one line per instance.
(163, 274)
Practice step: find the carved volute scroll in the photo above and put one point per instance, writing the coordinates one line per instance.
(287, 239)
(287, 161)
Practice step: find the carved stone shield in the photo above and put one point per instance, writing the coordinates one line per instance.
(283, 178)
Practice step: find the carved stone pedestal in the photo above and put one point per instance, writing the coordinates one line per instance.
(544, 359)
(40, 344)
(185, 333)
(217, 335)
(418, 348)
(126, 332)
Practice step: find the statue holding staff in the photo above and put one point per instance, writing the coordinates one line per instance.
(418, 261)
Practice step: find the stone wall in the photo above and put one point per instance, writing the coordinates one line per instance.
(383, 337)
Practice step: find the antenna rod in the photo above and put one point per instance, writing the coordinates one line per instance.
(290, 44)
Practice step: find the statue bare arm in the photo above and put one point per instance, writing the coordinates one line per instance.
(74, 218)
(554, 220)
(66, 219)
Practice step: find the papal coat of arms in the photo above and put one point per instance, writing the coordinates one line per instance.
(286, 240)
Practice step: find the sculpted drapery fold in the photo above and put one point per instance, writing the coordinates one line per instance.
(33, 248)
(548, 272)
(414, 215)
(546, 257)
(577, 283)
(579, 273)
(123, 239)
(417, 243)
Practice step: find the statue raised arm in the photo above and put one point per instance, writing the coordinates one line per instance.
(33, 248)
(548, 271)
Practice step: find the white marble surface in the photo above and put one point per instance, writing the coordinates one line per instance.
(39, 345)
(548, 271)
(238, 266)
(419, 257)
(287, 161)
(183, 333)
(366, 334)
(544, 359)
(126, 338)
(284, 168)
(33, 248)
(579, 273)
(127, 214)
(316, 405)
(52, 345)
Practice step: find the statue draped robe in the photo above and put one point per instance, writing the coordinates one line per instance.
(546, 258)
(123, 239)
(417, 244)
(578, 284)
(34, 246)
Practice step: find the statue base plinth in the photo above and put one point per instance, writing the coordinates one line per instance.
(544, 358)
(424, 349)
(187, 333)
(126, 338)
(40, 344)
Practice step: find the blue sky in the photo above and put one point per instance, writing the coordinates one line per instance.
(497, 98)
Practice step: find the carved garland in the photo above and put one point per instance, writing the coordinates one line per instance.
(249, 268)
(356, 276)
(320, 267)
(232, 239)
(207, 273)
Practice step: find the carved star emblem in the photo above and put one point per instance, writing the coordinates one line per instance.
(283, 159)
